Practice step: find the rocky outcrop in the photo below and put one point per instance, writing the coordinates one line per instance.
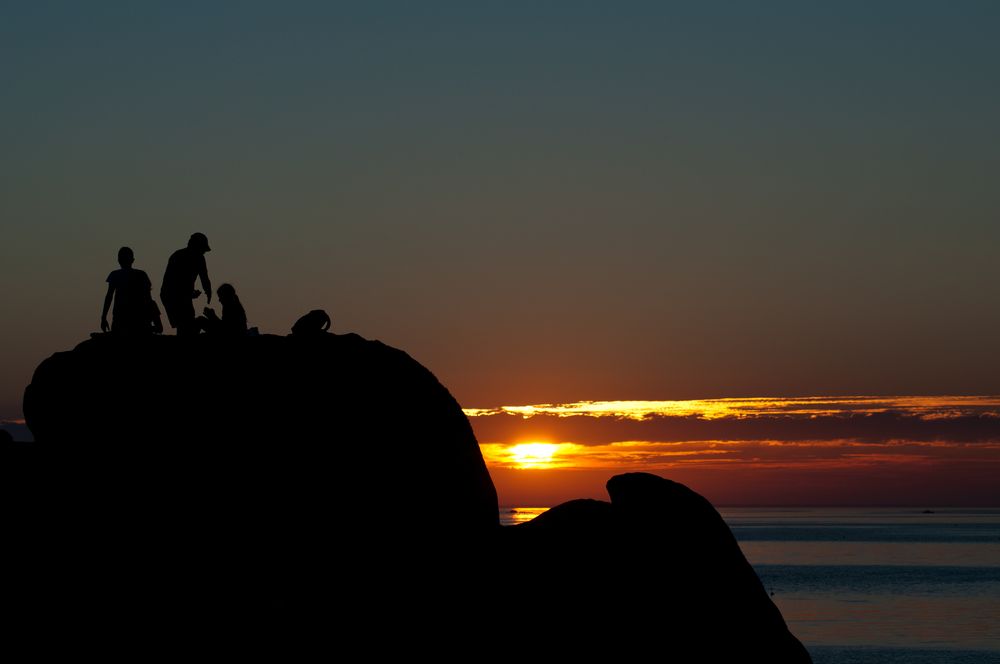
(334, 484)
(308, 423)
(657, 564)
(188, 474)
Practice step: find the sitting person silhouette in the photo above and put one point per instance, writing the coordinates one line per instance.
(135, 312)
(177, 291)
(234, 318)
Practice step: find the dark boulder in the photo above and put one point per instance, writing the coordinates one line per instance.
(655, 569)
(303, 420)
(218, 461)
(332, 486)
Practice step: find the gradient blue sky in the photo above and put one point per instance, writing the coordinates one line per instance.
(541, 201)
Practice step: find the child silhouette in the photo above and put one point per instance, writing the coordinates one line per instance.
(234, 317)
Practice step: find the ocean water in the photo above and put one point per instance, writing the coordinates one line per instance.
(867, 585)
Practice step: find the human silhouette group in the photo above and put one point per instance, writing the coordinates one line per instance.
(136, 313)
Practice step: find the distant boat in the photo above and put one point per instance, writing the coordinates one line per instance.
(928, 512)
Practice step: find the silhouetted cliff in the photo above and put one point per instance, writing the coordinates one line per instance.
(187, 474)
(273, 481)
(299, 420)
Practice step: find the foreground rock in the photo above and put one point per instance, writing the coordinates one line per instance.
(310, 423)
(178, 476)
(657, 564)
(332, 484)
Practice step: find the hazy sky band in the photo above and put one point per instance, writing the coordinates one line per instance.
(540, 201)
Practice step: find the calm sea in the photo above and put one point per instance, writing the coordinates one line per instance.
(860, 586)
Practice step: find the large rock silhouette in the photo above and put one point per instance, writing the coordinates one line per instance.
(332, 483)
(665, 569)
(304, 420)
(186, 474)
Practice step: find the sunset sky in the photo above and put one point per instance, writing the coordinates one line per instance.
(812, 451)
(553, 203)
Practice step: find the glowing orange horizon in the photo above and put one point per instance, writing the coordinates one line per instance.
(802, 450)
(577, 451)
(651, 455)
(709, 409)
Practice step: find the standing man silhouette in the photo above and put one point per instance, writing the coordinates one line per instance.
(135, 311)
(177, 292)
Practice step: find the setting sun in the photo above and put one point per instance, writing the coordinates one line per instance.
(532, 455)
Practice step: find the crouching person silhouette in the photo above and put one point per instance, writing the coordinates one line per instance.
(135, 312)
(314, 323)
(234, 318)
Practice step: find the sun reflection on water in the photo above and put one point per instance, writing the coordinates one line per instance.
(512, 516)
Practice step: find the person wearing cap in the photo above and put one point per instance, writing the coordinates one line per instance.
(177, 292)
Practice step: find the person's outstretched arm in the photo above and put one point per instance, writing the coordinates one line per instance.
(107, 305)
